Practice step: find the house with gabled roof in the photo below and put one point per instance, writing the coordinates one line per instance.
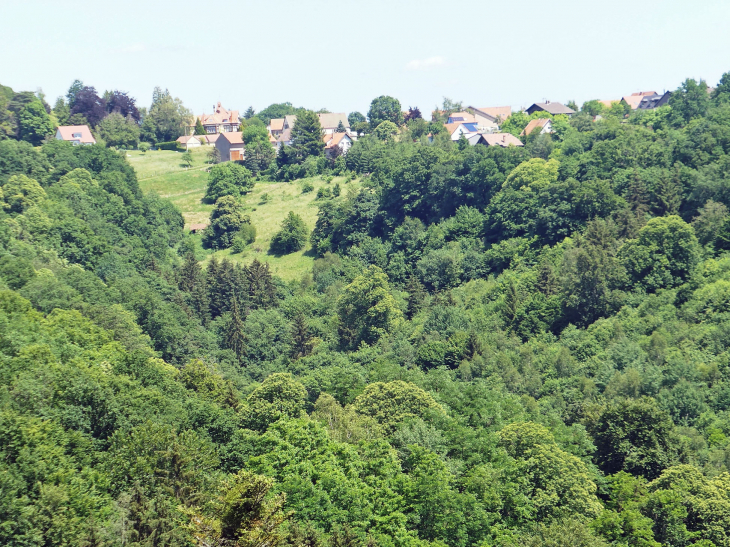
(550, 108)
(276, 126)
(489, 118)
(649, 102)
(220, 121)
(230, 145)
(495, 139)
(634, 99)
(456, 130)
(75, 134)
(461, 117)
(336, 144)
(544, 125)
(189, 141)
(331, 121)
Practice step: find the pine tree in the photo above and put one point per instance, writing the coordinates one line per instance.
(250, 113)
(259, 285)
(234, 338)
(340, 128)
(636, 194)
(306, 136)
(199, 129)
(300, 337)
(416, 296)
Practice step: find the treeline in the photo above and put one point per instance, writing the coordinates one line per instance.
(495, 347)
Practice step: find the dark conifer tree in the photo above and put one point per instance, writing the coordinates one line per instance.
(300, 336)
(234, 338)
(416, 296)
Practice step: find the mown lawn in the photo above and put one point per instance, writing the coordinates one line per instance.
(161, 172)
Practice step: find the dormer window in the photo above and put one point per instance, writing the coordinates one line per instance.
(76, 135)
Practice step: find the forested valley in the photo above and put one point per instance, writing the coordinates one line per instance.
(495, 347)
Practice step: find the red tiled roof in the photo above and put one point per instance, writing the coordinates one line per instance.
(67, 133)
(234, 137)
(534, 124)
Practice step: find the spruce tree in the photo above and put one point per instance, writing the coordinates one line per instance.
(300, 336)
(340, 128)
(234, 338)
(199, 129)
(306, 136)
(416, 296)
(192, 281)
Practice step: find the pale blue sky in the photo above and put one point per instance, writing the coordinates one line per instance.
(341, 54)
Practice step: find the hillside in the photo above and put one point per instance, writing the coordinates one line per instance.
(163, 173)
(493, 347)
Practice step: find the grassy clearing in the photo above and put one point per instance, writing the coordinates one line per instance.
(185, 188)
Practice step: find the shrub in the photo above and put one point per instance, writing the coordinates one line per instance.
(171, 145)
(307, 187)
(143, 147)
(292, 236)
(324, 192)
(228, 179)
(226, 220)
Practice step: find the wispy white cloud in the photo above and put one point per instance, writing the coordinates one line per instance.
(425, 64)
(131, 48)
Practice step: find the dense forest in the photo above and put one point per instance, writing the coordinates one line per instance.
(499, 347)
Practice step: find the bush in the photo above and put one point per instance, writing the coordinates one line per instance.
(307, 187)
(143, 147)
(172, 145)
(324, 192)
(246, 236)
(226, 221)
(228, 179)
(292, 236)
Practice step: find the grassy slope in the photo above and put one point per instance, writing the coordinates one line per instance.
(162, 172)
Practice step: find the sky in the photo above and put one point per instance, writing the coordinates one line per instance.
(341, 54)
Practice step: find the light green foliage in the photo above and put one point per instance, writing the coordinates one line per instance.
(167, 118)
(385, 108)
(549, 482)
(279, 396)
(664, 254)
(143, 147)
(118, 131)
(345, 424)
(187, 158)
(228, 179)
(367, 309)
(708, 223)
(534, 174)
(20, 193)
(385, 131)
(393, 402)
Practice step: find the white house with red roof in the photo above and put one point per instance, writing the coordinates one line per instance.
(336, 141)
(75, 134)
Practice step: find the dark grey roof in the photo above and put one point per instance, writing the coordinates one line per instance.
(552, 108)
(654, 101)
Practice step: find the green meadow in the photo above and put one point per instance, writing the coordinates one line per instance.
(164, 173)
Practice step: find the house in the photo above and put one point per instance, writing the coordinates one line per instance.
(551, 108)
(220, 121)
(284, 139)
(335, 141)
(461, 117)
(495, 139)
(650, 102)
(456, 130)
(195, 228)
(276, 126)
(210, 139)
(289, 121)
(489, 118)
(230, 146)
(189, 141)
(545, 125)
(330, 122)
(634, 99)
(75, 134)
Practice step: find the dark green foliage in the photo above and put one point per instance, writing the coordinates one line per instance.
(306, 136)
(226, 221)
(385, 108)
(291, 237)
(228, 179)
